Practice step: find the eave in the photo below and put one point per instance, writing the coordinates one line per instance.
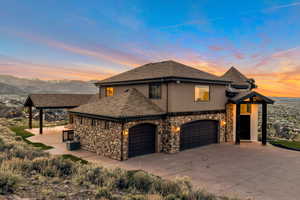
(164, 80)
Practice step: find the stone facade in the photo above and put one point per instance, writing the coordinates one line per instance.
(229, 122)
(100, 136)
(105, 137)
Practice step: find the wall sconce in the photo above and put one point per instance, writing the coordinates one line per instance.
(175, 129)
(223, 123)
(125, 132)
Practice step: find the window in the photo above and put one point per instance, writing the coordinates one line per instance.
(155, 91)
(201, 93)
(109, 91)
(245, 108)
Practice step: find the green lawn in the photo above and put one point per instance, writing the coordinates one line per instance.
(20, 131)
(286, 143)
(74, 158)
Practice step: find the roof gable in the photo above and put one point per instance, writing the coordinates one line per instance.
(235, 76)
(251, 94)
(131, 103)
(160, 70)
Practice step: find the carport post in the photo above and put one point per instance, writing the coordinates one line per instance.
(264, 124)
(30, 117)
(41, 121)
(238, 124)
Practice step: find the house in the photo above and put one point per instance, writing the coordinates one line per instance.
(169, 107)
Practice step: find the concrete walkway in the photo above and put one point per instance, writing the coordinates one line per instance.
(247, 171)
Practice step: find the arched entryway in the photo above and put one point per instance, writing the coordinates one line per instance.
(198, 133)
(141, 139)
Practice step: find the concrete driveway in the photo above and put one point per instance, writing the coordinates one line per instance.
(247, 171)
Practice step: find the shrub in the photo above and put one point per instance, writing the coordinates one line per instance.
(51, 167)
(140, 180)
(103, 192)
(165, 187)
(8, 182)
(135, 197)
(172, 197)
(61, 195)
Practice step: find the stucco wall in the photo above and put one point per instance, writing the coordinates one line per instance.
(254, 122)
(182, 98)
(105, 142)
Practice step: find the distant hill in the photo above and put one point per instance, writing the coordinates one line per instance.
(9, 89)
(15, 85)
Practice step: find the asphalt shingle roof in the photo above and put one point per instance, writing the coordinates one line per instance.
(131, 103)
(235, 76)
(58, 100)
(159, 70)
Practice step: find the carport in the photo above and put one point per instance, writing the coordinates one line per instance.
(54, 101)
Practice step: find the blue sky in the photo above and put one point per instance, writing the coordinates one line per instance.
(72, 39)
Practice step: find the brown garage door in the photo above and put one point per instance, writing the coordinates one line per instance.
(141, 140)
(198, 133)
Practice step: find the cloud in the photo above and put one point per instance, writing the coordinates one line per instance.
(98, 51)
(279, 73)
(284, 6)
(27, 69)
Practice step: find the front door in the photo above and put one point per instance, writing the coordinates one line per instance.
(245, 127)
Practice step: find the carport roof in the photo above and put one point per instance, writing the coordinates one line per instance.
(131, 103)
(58, 100)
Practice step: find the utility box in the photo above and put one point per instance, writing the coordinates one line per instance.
(73, 145)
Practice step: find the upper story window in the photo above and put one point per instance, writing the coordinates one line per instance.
(245, 109)
(202, 93)
(155, 91)
(109, 91)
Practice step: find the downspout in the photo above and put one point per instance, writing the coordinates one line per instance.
(167, 103)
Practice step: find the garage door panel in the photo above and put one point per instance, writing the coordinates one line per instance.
(141, 140)
(198, 133)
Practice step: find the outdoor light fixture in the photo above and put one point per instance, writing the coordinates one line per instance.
(125, 132)
(175, 129)
(223, 123)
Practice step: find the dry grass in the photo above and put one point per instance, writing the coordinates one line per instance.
(30, 172)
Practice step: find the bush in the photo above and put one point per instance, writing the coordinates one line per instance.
(140, 180)
(51, 167)
(103, 192)
(8, 182)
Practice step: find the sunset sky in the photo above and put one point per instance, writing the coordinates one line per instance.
(94, 39)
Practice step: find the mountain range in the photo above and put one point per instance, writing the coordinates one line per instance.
(14, 85)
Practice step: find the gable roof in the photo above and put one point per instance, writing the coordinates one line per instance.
(58, 100)
(249, 94)
(131, 103)
(161, 70)
(235, 76)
